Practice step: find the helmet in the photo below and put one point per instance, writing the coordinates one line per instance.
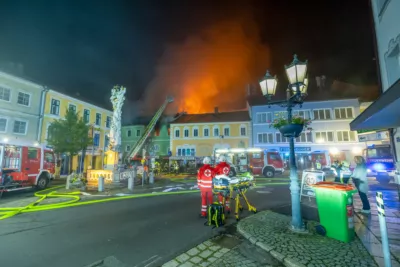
(345, 164)
(207, 160)
(222, 159)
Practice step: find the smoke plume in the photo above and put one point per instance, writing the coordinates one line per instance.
(211, 68)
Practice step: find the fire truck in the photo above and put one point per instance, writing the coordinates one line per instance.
(24, 166)
(322, 157)
(380, 162)
(260, 162)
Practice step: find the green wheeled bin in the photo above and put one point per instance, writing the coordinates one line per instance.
(335, 209)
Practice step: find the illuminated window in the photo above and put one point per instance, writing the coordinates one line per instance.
(265, 138)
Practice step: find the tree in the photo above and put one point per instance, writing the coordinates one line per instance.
(69, 135)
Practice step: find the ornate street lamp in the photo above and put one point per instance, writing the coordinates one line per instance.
(296, 92)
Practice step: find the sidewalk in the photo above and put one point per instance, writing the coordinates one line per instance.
(368, 229)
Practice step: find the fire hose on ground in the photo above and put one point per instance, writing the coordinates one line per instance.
(74, 197)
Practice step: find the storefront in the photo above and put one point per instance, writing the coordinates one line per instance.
(187, 164)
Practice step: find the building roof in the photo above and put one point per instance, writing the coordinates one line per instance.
(213, 117)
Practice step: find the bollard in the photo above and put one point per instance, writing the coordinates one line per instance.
(68, 183)
(130, 183)
(100, 184)
(144, 176)
(382, 224)
(151, 178)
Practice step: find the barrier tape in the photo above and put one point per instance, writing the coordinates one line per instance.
(379, 204)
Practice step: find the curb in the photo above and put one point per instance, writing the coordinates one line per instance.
(287, 261)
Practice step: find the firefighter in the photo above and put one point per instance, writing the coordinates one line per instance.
(345, 173)
(223, 168)
(205, 177)
(337, 170)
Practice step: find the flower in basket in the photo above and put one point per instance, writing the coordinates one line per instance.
(280, 122)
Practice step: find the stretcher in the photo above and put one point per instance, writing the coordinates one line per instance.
(235, 188)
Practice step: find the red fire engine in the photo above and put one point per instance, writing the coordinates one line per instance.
(24, 166)
(261, 162)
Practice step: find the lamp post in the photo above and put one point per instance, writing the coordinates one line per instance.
(296, 92)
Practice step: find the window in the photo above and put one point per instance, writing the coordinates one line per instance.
(216, 132)
(280, 138)
(72, 107)
(226, 131)
(137, 133)
(23, 99)
(86, 115)
(128, 148)
(195, 132)
(265, 138)
(346, 136)
(186, 132)
(49, 157)
(108, 121)
(322, 114)
(19, 127)
(106, 141)
(129, 133)
(343, 113)
(280, 114)
(256, 155)
(305, 137)
(264, 117)
(322, 137)
(55, 107)
(177, 133)
(302, 113)
(98, 119)
(5, 94)
(243, 131)
(179, 152)
(3, 125)
(206, 132)
(32, 153)
(96, 140)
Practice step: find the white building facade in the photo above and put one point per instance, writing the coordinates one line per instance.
(384, 113)
(330, 129)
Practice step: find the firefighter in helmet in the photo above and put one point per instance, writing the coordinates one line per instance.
(223, 168)
(205, 177)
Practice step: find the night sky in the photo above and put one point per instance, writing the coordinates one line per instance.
(88, 46)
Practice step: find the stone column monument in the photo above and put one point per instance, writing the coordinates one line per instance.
(114, 153)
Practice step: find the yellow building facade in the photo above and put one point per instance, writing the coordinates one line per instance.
(198, 135)
(55, 107)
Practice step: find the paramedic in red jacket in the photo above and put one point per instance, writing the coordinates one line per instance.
(205, 177)
(223, 168)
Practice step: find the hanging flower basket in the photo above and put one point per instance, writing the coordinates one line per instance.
(291, 130)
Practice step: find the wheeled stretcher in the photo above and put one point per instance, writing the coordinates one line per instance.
(235, 188)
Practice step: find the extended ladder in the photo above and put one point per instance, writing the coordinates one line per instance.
(136, 148)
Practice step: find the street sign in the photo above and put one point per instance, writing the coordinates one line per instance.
(308, 178)
(367, 131)
(376, 136)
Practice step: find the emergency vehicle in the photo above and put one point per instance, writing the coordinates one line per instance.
(322, 157)
(260, 162)
(24, 166)
(380, 162)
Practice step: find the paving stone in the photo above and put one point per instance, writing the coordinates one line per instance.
(201, 247)
(215, 248)
(205, 264)
(192, 252)
(224, 250)
(205, 254)
(186, 264)
(218, 254)
(182, 258)
(196, 259)
(172, 263)
(208, 243)
(211, 259)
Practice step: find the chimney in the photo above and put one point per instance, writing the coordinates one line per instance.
(216, 110)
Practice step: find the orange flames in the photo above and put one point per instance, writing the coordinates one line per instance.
(212, 68)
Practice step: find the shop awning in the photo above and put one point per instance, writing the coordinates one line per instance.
(384, 113)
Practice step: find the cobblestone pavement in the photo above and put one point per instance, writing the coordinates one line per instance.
(270, 231)
(368, 229)
(224, 251)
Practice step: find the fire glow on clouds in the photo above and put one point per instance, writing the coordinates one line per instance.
(211, 68)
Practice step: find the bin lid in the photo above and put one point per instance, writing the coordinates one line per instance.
(334, 186)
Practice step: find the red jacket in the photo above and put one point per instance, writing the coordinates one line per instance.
(222, 168)
(205, 176)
